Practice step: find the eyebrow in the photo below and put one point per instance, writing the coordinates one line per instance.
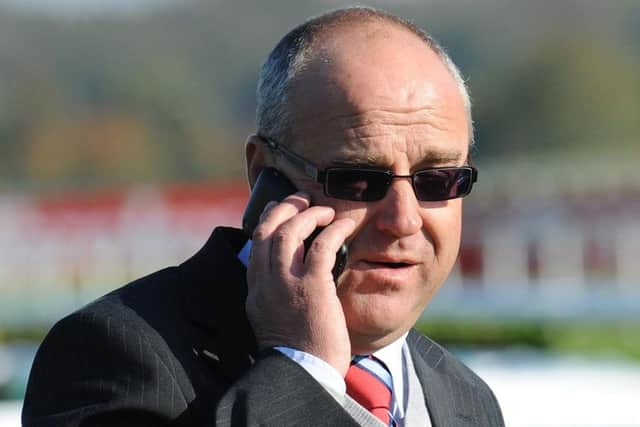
(439, 157)
(431, 157)
(358, 161)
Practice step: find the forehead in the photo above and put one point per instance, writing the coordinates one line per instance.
(378, 95)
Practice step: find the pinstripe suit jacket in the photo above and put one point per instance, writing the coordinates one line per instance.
(175, 348)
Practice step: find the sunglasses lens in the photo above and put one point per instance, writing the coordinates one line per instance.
(357, 184)
(442, 184)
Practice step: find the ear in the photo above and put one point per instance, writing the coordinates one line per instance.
(256, 156)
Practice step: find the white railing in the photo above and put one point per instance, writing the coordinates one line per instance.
(54, 260)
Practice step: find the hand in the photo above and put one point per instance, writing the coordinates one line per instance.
(291, 300)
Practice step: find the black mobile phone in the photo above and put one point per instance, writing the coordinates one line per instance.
(273, 185)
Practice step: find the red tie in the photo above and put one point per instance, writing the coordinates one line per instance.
(369, 384)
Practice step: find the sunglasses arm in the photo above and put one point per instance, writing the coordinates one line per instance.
(304, 165)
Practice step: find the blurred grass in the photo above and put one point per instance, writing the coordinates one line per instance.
(26, 333)
(586, 337)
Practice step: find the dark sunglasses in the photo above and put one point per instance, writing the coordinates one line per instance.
(368, 185)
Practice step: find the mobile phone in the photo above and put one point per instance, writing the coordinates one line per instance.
(273, 185)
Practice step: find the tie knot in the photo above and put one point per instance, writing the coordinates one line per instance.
(369, 383)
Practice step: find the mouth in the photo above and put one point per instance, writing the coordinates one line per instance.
(390, 264)
(387, 273)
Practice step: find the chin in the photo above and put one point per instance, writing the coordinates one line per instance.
(377, 320)
(371, 338)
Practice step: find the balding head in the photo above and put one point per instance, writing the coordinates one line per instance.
(364, 93)
(317, 41)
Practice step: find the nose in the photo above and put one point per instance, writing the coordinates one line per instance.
(399, 212)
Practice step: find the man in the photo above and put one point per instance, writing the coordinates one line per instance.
(353, 100)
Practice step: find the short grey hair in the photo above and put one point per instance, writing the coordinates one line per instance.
(288, 58)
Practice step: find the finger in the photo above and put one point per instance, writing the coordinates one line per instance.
(276, 213)
(270, 205)
(321, 255)
(288, 240)
(271, 218)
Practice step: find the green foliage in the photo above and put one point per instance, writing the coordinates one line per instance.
(33, 334)
(572, 97)
(484, 332)
(621, 338)
(589, 337)
(169, 94)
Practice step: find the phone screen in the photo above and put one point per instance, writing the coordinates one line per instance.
(273, 185)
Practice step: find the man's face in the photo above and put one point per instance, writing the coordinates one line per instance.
(384, 100)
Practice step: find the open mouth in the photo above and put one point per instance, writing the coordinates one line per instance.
(392, 264)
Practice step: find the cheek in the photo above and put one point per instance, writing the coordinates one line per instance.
(443, 225)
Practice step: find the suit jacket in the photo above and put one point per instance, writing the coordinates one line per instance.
(175, 348)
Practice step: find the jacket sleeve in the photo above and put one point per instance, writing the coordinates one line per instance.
(94, 369)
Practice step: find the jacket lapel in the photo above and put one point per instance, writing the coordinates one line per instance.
(448, 397)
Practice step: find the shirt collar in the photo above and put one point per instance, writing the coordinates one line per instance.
(392, 357)
(392, 353)
(244, 253)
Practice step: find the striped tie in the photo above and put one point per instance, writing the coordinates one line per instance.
(369, 383)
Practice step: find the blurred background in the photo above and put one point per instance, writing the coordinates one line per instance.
(122, 126)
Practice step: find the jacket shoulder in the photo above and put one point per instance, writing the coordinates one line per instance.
(97, 361)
